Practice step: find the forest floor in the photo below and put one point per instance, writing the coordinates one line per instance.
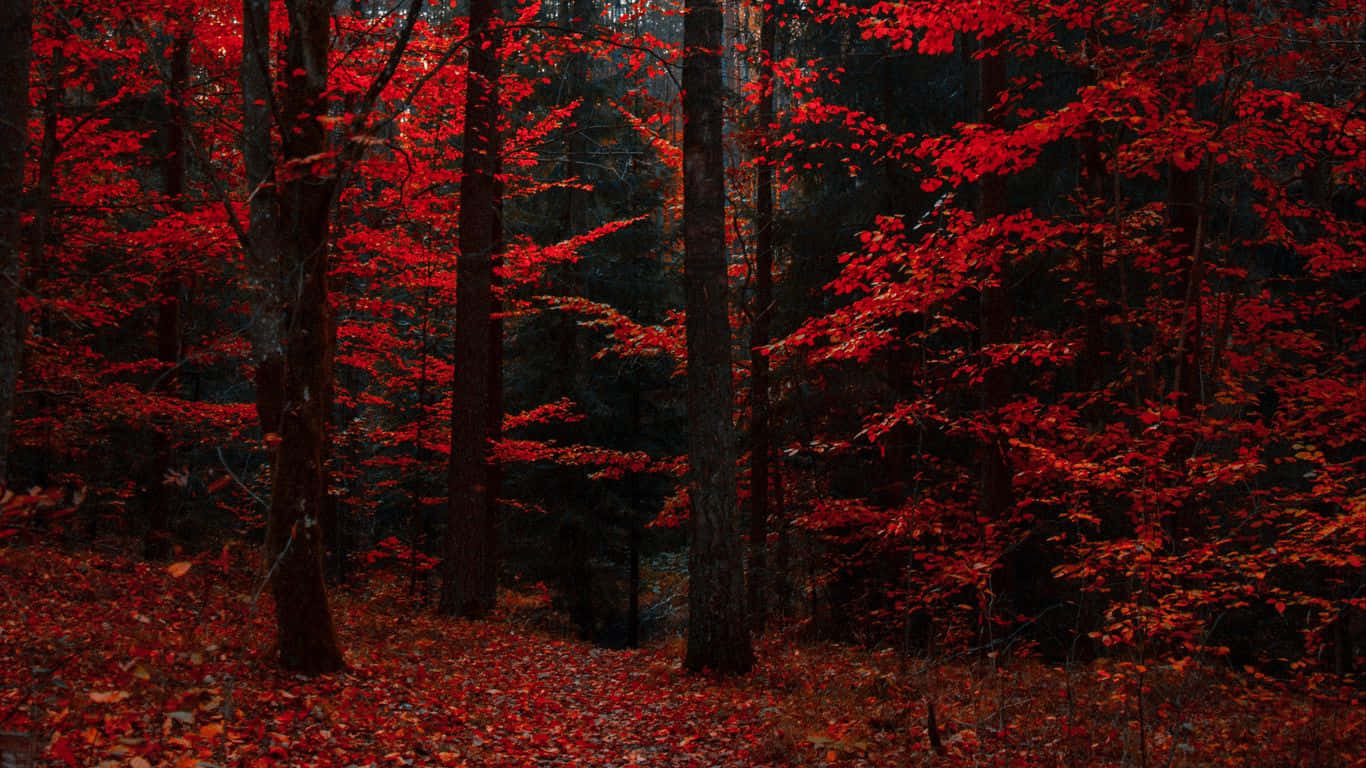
(109, 661)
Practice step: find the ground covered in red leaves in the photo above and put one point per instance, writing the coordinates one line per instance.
(109, 661)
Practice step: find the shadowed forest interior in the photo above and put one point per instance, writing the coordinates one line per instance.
(682, 383)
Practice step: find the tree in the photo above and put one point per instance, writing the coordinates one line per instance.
(306, 178)
(265, 327)
(156, 542)
(16, 31)
(718, 636)
(469, 587)
(760, 440)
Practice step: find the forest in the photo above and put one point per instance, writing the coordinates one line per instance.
(682, 383)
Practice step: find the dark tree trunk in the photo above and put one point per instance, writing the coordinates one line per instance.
(16, 29)
(718, 635)
(578, 16)
(333, 513)
(1185, 218)
(156, 542)
(294, 535)
(575, 352)
(997, 493)
(266, 330)
(781, 574)
(759, 334)
(417, 526)
(470, 582)
(1183, 215)
(1095, 184)
(996, 486)
(489, 584)
(633, 569)
(634, 532)
(35, 269)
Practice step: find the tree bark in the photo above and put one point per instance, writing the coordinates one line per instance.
(294, 535)
(718, 635)
(469, 583)
(759, 333)
(267, 328)
(16, 31)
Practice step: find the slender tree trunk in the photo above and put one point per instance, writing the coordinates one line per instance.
(470, 582)
(489, 593)
(48, 151)
(267, 329)
(35, 270)
(417, 480)
(781, 573)
(294, 535)
(156, 541)
(759, 333)
(16, 30)
(579, 16)
(997, 493)
(996, 487)
(634, 531)
(1184, 217)
(718, 634)
(1095, 183)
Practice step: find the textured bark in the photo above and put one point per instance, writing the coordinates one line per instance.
(16, 25)
(267, 328)
(469, 581)
(759, 336)
(718, 635)
(294, 536)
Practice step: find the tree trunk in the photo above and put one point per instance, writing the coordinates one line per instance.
(759, 333)
(997, 493)
(634, 532)
(16, 29)
(1184, 217)
(718, 635)
(578, 16)
(156, 542)
(35, 270)
(996, 487)
(781, 573)
(294, 536)
(266, 329)
(470, 582)
(1095, 183)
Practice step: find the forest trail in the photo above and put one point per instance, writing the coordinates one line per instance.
(116, 662)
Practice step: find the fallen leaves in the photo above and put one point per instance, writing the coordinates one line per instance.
(192, 683)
